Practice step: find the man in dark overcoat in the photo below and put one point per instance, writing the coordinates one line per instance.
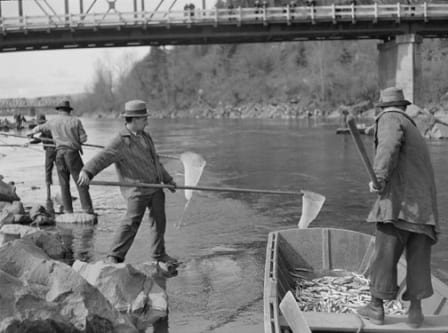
(405, 211)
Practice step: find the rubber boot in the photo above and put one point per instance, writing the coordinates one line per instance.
(374, 311)
(415, 314)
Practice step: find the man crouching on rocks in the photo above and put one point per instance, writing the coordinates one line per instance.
(134, 154)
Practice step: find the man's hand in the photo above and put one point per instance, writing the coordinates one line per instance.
(379, 189)
(172, 183)
(83, 179)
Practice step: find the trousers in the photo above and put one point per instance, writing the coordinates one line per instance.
(50, 160)
(136, 207)
(69, 162)
(389, 245)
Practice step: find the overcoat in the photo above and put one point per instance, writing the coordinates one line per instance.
(403, 161)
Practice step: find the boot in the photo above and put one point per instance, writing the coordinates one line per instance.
(415, 314)
(374, 311)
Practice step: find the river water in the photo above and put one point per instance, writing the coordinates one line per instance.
(222, 244)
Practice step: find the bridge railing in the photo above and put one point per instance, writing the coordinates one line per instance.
(289, 15)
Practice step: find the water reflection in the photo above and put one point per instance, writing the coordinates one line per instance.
(79, 239)
(221, 292)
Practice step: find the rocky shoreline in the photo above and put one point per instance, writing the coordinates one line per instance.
(42, 290)
(364, 111)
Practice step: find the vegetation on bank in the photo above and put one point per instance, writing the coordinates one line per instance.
(201, 80)
(210, 80)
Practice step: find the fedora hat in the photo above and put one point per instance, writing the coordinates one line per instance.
(392, 97)
(41, 118)
(64, 105)
(135, 108)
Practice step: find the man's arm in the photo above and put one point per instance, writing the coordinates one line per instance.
(390, 138)
(82, 132)
(39, 128)
(110, 154)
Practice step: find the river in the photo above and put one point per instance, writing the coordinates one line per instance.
(222, 244)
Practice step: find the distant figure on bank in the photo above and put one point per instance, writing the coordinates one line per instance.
(134, 154)
(19, 119)
(69, 135)
(192, 7)
(405, 211)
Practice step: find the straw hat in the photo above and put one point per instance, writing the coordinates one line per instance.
(135, 108)
(392, 97)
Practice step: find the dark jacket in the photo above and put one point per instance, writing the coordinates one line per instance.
(403, 161)
(135, 162)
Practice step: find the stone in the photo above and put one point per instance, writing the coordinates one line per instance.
(22, 230)
(7, 237)
(40, 293)
(135, 292)
(49, 241)
(7, 192)
(6, 217)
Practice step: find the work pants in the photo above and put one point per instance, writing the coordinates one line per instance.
(69, 162)
(130, 223)
(389, 245)
(50, 160)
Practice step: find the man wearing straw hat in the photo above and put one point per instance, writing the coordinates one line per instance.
(68, 135)
(405, 211)
(134, 154)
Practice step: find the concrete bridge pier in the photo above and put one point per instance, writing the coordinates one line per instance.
(400, 65)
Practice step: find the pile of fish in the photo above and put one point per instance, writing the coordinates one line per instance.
(338, 294)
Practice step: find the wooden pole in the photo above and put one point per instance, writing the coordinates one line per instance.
(361, 149)
(81, 7)
(197, 188)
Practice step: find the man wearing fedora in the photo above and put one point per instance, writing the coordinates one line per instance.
(405, 211)
(68, 135)
(136, 160)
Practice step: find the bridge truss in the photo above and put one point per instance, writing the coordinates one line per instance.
(111, 23)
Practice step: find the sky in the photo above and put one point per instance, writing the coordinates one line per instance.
(62, 72)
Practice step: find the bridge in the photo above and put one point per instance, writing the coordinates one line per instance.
(112, 25)
(27, 25)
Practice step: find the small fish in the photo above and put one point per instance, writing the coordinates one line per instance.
(338, 294)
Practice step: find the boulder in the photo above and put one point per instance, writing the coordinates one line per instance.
(6, 217)
(49, 241)
(7, 191)
(5, 237)
(131, 291)
(39, 293)
(22, 230)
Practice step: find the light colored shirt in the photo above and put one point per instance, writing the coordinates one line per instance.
(67, 131)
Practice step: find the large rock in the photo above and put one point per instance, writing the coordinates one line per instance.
(49, 241)
(39, 292)
(7, 191)
(137, 293)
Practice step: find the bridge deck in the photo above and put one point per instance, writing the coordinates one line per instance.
(115, 28)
